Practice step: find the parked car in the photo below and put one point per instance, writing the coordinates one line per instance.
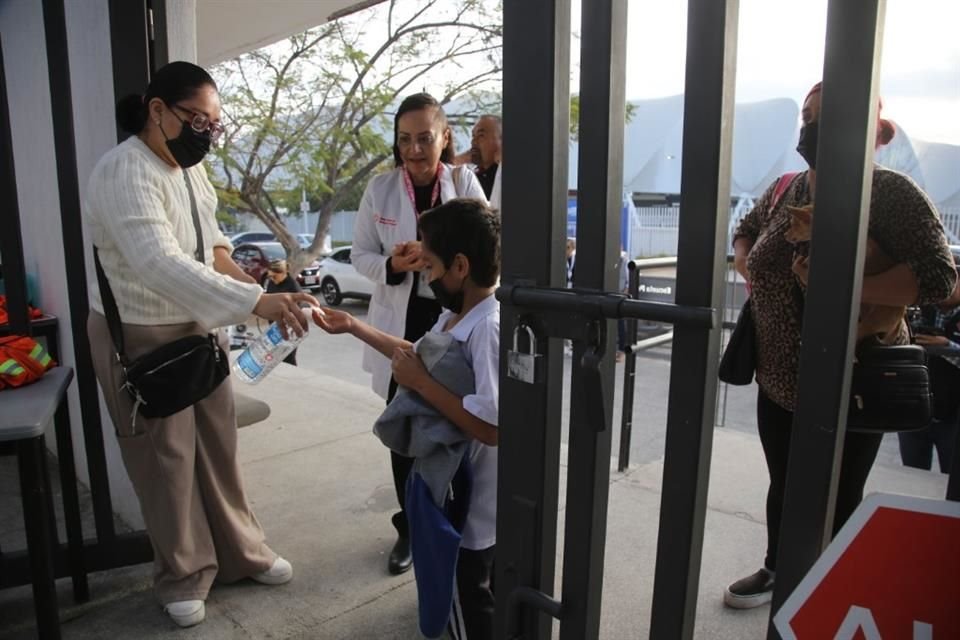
(339, 279)
(252, 236)
(306, 239)
(255, 257)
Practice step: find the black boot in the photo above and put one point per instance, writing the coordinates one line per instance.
(400, 557)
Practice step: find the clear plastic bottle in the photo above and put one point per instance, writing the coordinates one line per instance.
(264, 353)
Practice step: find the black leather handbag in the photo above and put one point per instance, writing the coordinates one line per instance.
(890, 390)
(176, 375)
(739, 361)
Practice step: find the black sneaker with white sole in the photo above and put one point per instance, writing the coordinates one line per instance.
(753, 591)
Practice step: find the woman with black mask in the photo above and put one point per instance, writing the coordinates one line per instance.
(150, 211)
(907, 228)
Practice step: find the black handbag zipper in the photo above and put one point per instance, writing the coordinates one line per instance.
(179, 357)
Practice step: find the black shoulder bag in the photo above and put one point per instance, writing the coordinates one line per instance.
(739, 359)
(890, 390)
(177, 374)
(889, 387)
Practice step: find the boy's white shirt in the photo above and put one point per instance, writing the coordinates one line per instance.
(479, 330)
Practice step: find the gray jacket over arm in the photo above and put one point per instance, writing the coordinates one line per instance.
(413, 428)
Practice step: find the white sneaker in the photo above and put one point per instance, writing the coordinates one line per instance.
(186, 613)
(280, 573)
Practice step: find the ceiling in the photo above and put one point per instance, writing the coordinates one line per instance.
(228, 28)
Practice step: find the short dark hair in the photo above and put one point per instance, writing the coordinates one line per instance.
(417, 102)
(467, 226)
(171, 83)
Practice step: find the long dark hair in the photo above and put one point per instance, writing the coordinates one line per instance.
(416, 102)
(171, 83)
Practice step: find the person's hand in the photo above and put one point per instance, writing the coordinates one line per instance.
(801, 267)
(933, 341)
(333, 321)
(408, 368)
(284, 309)
(463, 158)
(407, 256)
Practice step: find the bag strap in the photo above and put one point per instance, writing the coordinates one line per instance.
(782, 185)
(199, 253)
(110, 309)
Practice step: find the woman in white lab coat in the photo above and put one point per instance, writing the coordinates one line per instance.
(386, 249)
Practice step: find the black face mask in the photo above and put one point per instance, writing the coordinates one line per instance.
(190, 147)
(447, 299)
(807, 145)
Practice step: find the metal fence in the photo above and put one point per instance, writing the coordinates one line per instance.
(655, 230)
(951, 223)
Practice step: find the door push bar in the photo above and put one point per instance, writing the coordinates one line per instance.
(537, 600)
(597, 304)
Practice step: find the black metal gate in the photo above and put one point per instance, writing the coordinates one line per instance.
(536, 118)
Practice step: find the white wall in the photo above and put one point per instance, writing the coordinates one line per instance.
(28, 91)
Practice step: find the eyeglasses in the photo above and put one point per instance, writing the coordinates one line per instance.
(202, 124)
(405, 141)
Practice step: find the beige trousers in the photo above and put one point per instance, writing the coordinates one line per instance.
(184, 470)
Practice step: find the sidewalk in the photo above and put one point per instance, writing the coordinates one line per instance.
(321, 486)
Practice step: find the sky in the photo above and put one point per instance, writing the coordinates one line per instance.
(780, 54)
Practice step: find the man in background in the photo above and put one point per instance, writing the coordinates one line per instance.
(485, 150)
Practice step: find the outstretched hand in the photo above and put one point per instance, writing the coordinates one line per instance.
(285, 310)
(333, 321)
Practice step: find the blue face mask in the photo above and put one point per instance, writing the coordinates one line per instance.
(446, 298)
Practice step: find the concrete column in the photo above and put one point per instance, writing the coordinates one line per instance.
(182, 30)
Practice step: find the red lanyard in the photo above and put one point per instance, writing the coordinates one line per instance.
(434, 197)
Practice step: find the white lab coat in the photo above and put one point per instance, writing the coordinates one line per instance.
(385, 219)
(495, 192)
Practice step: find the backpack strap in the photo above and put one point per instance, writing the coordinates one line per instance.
(782, 185)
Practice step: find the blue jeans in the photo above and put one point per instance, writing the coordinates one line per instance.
(916, 447)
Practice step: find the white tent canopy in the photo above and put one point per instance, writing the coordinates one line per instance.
(765, 135)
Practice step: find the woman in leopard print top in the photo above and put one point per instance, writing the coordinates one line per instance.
(907, 227)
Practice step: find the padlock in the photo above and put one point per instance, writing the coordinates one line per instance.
(524, 366)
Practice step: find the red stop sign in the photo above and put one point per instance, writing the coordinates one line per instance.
(892, 573)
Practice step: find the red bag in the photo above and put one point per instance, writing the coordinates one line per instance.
(22, 361)
(34, 313)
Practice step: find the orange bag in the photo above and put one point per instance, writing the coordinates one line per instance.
(32, 311)
(22, 361)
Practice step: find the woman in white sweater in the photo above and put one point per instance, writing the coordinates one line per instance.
(183, 467)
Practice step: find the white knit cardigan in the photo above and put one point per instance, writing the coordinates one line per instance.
(138, 213)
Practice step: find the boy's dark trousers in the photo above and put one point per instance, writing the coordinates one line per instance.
(472, 615)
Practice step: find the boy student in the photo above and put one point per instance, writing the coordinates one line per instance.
(461, 247)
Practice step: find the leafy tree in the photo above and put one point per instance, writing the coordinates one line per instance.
(314, 111)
